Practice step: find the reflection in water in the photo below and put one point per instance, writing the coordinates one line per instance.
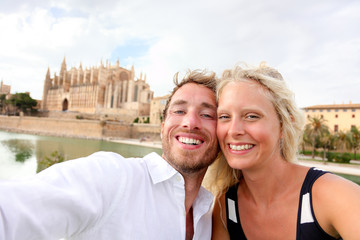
(20, 153)
(22, 148)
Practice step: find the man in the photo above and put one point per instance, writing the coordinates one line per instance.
(105, 196)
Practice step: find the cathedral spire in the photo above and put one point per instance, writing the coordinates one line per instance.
(63, 66)
(48, 74)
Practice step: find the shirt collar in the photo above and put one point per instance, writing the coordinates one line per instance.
(159, 169)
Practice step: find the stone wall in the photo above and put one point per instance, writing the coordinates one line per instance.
(79, 128)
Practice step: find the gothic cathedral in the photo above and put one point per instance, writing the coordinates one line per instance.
(108, 89)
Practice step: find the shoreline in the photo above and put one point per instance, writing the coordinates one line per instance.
(129, 141)
(351, 169)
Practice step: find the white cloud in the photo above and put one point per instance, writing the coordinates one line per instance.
(315, 45)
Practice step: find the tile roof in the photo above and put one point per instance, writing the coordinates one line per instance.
(334, 106)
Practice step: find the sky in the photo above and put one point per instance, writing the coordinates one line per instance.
(315, 45)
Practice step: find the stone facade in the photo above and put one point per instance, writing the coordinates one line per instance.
(5, 89)
(337, 116)
(91, 129)
(105, 90)
(157, 107)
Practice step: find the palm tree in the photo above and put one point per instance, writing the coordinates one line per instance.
(354, 139)
(326, 141)
(342, 141)
(315, 129)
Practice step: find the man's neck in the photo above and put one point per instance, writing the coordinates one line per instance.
(192, 186)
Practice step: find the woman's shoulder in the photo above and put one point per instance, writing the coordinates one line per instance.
(336, 203)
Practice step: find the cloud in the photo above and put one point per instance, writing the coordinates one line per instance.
(315, 45)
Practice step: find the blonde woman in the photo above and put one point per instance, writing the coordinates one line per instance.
(261, 192)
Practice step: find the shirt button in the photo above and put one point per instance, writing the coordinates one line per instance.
(178, 178)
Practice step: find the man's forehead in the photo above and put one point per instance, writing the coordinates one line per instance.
(210, 104)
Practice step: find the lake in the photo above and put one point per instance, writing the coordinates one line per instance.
(20, 153)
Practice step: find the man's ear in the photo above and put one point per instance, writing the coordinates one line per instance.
(162, 129)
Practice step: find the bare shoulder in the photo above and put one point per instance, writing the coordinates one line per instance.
(337, 206)
(219, 230)
(336, 187)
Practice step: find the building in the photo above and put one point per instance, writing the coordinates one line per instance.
(5, 89)
(156, 109)
(338, 116)
(104, 90)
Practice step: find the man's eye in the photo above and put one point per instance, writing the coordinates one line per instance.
(207, 115)
(179, 112)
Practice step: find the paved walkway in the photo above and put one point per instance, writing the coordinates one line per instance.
(333, 167)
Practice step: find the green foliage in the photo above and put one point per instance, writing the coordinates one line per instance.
(136, 120)
(79, 117)
(2, 101)
(343, 157)
(55, 157)
(22, 101)
(330, 156)
(147, 120)
(23, 149)
(315, 133)
(22, 156)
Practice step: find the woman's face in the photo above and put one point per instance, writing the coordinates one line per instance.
(248, 128)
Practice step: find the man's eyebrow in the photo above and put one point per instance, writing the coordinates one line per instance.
(179, 102)
(204, 104)
(208, 105)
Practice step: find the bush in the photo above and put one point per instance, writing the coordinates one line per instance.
(330, 156)
(46, 162)
(343, 157)
(346, 157)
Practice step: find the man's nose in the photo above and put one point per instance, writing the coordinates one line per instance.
(192, 121)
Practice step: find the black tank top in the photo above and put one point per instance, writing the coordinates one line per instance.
(307, 226)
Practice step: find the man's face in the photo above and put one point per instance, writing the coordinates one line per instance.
(189, 130)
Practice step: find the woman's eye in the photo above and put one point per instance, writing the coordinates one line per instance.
(252, 116)
(223, 117)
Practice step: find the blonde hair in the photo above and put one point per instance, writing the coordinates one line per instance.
(290, 116)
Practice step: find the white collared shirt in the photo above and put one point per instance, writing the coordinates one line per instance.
(103, 196)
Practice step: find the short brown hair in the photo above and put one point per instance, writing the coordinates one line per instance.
(201, 77)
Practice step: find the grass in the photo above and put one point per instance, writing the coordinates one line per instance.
(355, 179)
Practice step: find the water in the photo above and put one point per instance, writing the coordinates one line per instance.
(20, 153)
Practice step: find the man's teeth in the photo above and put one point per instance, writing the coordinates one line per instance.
(189, 141)
(241, 147)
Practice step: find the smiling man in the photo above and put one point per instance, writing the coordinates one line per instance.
(106, 196)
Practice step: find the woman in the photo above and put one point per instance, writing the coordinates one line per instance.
(261, 192)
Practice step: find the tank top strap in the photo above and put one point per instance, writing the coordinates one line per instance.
(307, 226)
(232, 214)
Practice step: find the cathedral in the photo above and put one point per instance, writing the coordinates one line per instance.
(103, 90)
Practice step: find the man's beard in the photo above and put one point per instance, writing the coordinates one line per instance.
(189, 161)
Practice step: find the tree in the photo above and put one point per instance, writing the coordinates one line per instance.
(22, 101)
(2, 102)
(315, 129)
(326, 141)
(342, 141)
(354, 139)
